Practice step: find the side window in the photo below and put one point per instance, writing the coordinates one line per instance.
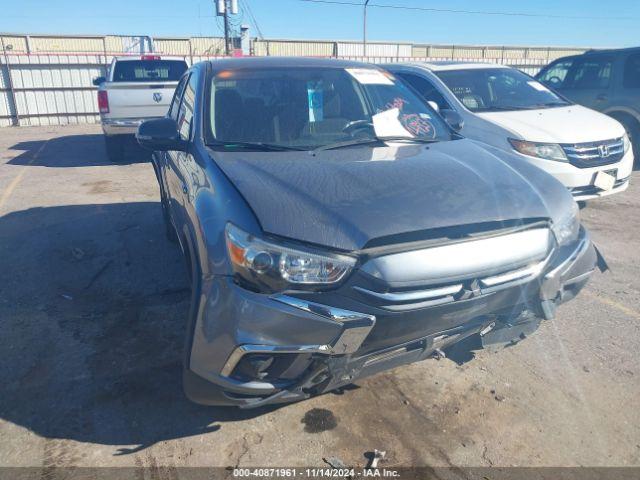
(185, 114)
(590, 72)
(425, 88)
(631, 78)
(556, 73)
(177, 95)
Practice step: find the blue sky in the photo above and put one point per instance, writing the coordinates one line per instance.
(302, 20)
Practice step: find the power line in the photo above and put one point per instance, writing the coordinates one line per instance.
(247, 7)
(469, 12)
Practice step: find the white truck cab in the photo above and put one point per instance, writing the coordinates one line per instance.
(506, 109)
(135, 89)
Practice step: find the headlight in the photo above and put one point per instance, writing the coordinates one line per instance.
(567, 228)
(626, 142)
(547, 151)
(270, 267)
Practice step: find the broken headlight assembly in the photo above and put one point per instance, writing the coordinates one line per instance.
(566, 229)
(267, 266)
(546, 151)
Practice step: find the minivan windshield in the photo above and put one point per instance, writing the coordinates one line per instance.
(498, 89)
(308, 108)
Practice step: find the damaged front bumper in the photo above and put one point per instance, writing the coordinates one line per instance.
(250, 349)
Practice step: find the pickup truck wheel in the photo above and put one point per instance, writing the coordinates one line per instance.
(115, 148)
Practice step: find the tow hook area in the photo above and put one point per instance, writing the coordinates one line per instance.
(511, 332)
(301, 390)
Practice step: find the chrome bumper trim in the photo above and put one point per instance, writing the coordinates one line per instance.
(413, 295)
(125, 122)
(356, 327)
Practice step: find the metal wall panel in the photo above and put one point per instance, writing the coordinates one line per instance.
(172, 46)
(15, 43)
(207, 46)
(65, 44)
(293, 48)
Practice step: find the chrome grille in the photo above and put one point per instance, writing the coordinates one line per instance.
(594, 154)
(459, 271)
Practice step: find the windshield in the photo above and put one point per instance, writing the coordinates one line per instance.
(309, 108)
(495, 89)
(149, 70)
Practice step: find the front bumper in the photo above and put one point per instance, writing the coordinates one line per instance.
(121, 126)
(312, 343)
(580, 181)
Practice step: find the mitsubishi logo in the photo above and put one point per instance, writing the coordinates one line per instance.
(603, 150)
(157, 97)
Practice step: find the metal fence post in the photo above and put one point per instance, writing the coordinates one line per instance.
(15, 117)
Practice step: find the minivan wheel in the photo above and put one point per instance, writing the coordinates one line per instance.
(115, 148)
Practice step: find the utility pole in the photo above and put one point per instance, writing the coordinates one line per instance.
(224, 8)
(227, 40)
(364, 28)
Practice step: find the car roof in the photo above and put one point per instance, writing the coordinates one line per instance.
(439, 66)
(612, 50)
(287, 62)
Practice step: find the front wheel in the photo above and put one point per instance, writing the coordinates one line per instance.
(115, 148)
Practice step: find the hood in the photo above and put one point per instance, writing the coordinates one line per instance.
(572, 124)
(345, 198)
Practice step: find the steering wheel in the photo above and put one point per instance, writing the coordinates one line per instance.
(352, 127)
(555, 80)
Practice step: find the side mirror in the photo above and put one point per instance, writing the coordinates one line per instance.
(99, 80)
(160, 134)
(453, 118)
(434, 105)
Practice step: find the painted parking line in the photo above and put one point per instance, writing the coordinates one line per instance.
(16, 181)
(612, 303)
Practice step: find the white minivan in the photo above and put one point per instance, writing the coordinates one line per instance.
(504, 108)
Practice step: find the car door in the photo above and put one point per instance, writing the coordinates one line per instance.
(628, 96)
(554, 74)
(589, 81)
(185, 172)
(160, 159)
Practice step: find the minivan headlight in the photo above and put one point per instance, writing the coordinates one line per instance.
(547, 151)
(269, 267)
(567, 228)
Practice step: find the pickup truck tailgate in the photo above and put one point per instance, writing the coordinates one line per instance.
(139, 100)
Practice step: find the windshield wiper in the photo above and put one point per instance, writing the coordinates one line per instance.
(348, 143)
(408, 139)
(259, 146)
(367, 141)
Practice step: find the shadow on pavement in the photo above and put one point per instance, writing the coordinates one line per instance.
(93, 304)
(74, 151)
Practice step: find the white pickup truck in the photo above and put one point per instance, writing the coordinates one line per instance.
(135, 89)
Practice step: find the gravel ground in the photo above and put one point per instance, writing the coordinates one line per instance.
(92, 312)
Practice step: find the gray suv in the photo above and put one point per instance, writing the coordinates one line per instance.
(605, 80)
(335, 226)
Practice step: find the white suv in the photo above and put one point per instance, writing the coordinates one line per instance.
(506, 109)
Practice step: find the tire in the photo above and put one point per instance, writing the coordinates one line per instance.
(632, 127)
(115, 148)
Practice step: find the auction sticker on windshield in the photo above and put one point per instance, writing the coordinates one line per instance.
(369, 76)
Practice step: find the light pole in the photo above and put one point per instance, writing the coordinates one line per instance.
(364, 28)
